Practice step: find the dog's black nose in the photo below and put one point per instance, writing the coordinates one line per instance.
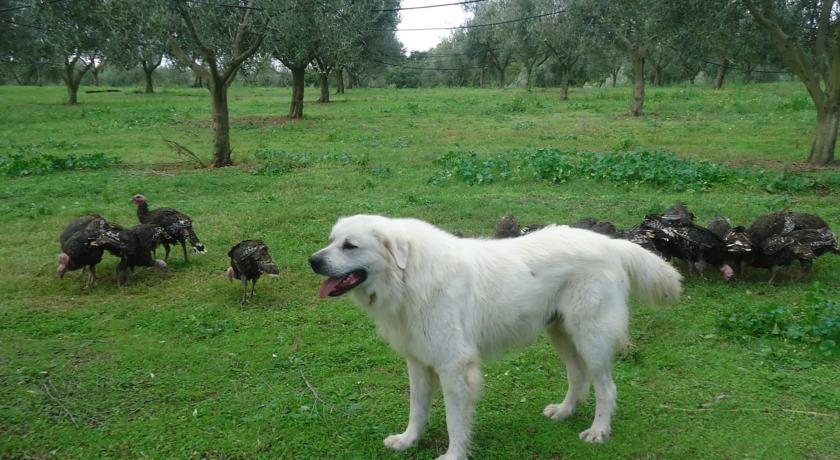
(317, 263)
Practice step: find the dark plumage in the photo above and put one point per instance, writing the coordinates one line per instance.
(178, 226)
(76, 248)
(603, 227)
(677, 215)
(785, 237)
(508, 227)
(135, 247)
(674, 234)
(249, 260)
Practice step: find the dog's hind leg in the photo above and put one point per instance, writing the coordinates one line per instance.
(461, 386)
(575, 369)
(422, 383)
(596, 338)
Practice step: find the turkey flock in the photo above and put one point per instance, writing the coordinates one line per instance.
(85, 240)
(773, 241)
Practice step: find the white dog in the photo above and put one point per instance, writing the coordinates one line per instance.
(447, 303)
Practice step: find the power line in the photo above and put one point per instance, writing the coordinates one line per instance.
(473, 26)
(23, 7)
(428, 6)
(20, 24)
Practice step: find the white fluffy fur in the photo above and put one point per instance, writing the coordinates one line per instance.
(447, 303)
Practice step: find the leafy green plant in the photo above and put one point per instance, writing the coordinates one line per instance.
(816, 322)
(30, 161)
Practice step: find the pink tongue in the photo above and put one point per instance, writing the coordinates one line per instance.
(329, 286)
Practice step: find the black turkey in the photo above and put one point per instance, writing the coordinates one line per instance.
(739, 247)
(695, 245)
(178, 226)
(603, 227)
(785, 237)
(135, 247)
(76, 248)
(249, 260)
(508, 227)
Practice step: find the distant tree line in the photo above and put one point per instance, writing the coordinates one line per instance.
(559, 43)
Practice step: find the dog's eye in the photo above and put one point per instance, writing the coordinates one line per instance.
(348, 245)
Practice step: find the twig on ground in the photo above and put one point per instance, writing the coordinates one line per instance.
(57, 401)
(792, 411)
(184, 152)
(317, 396)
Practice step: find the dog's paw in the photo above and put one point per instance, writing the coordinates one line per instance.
(558, 411)
(400, 442)
(595, 435)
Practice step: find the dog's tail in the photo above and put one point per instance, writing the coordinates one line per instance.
(652, 280)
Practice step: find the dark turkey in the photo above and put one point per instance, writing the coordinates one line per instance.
(637, 235)
(785, 237)
(603, 227)
(739, 247)
(135, 247)
(248, 261)
(178, 226)
(677, 215)
(508, 227)
(76, 248)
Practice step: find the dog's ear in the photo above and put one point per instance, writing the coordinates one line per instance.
(396, 246)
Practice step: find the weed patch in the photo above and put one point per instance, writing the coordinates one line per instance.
(30, 161)
(816, 322)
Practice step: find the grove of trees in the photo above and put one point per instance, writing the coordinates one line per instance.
(505, 43)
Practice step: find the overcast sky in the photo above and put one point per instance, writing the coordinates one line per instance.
(444, 16)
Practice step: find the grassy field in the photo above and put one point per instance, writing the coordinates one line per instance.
(171, 366)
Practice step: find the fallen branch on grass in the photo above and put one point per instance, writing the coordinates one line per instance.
(185, 152)
(317, 396)
(57, 401)
(792, 411)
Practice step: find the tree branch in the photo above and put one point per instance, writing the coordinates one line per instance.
(185, 59)
(792, 53)
(208, 53)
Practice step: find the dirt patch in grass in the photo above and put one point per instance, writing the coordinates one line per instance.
(262, 122)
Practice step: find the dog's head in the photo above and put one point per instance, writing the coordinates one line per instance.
(362, 248)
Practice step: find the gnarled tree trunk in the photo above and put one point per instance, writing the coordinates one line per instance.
(298, 74)
(721, 74)
(825, 137)
(72, 81)
(638, 84)
(339, 81)
(221, 125)
(149, 68)
(564, 86)
(324, 78)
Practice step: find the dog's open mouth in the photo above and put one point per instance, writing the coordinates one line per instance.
(336, 285)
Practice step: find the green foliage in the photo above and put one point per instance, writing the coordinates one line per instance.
(31, 161)
(816, 322)
(275, 162)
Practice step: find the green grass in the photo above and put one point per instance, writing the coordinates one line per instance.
(172, 366)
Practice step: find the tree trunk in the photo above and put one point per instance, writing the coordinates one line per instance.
(825, 138)
(721, 74)
(529, 69)
(221, 124)
(148, 70)
(482, 77)
(614, 75)
(339, 81)
(72, 81)
(150, 88)
(501, 77)
(325, 87)
(657, 75)
(638, 84)
(94, 71)
(296, 109)
(72, 94)
(564, 85)
(198, 82)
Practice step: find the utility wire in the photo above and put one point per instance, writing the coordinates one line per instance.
(23, 7)
(428, 6)
(20, 24)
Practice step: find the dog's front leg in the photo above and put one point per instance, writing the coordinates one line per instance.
(422, 383)
(461, 389)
